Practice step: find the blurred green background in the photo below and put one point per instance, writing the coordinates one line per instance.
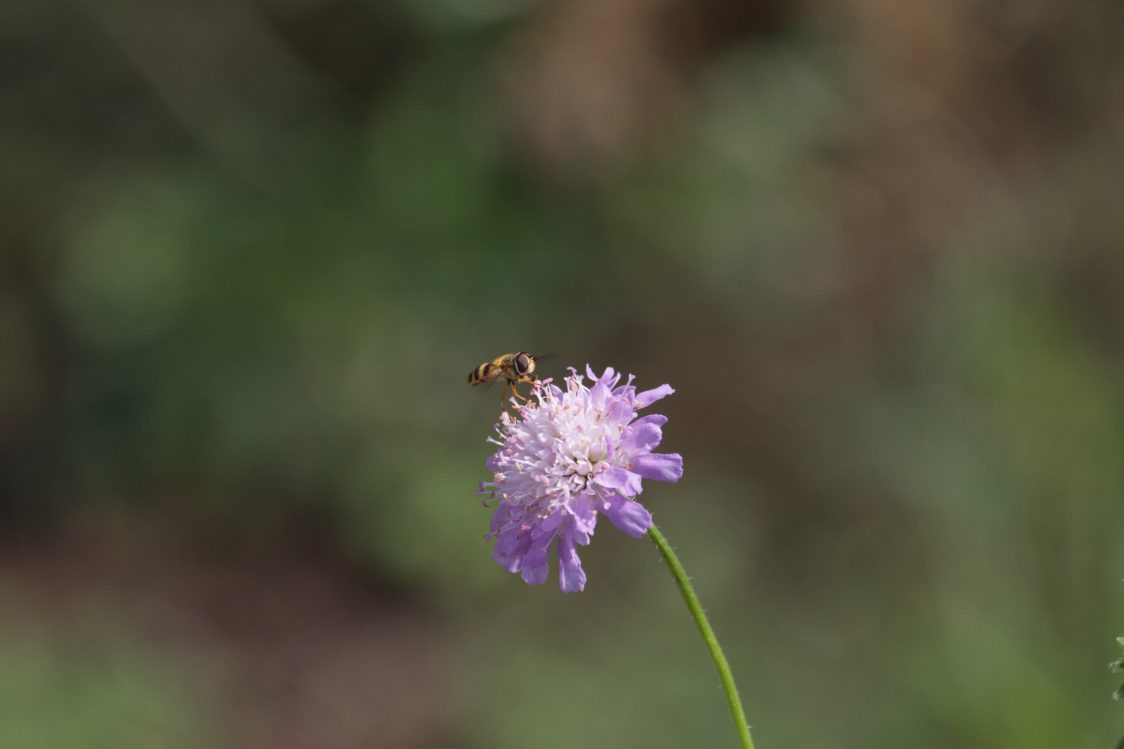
(250, 249)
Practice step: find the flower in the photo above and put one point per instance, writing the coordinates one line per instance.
(568, 456)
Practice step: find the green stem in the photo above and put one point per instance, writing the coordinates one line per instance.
(707, 633)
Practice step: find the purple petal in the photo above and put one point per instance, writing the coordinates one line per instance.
(500, 517)
(624, 481)
(510, 550)
(571, 576)
(584, 510)
(535, 568)
(625, 387)
(619, 410)
(648, 397)
(659, 466)
(599, 394)
(548, 525)
(628, 515)
(535, 575)
(641, 437)
(609, 376)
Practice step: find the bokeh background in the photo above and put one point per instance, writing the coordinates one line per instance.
(250, 249)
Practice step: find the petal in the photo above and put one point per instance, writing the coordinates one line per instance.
(500, 517)
(628, 515)
(624, 481)
(510, 550)
(625, 387)
(619, 411)
(584, 512)
(659, 466)
(641, 437)
(609, 376)
(535, 568)
(536, 575)
(548, 525)
(599, 394)
(648, 397)
(571, 576)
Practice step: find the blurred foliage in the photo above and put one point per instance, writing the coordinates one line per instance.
(250, 251)
(91, 685)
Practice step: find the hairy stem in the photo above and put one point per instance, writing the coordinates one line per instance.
(720, 663)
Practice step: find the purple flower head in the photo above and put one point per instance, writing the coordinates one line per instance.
(570, 455)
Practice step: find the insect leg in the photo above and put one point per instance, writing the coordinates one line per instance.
(525, 378)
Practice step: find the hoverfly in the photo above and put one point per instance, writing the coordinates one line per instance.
(513, 368)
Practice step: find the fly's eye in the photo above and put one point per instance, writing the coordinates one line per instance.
(522, 364)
